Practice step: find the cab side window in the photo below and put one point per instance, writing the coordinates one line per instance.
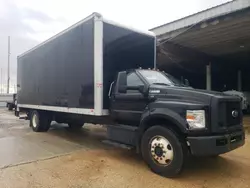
(133, 80)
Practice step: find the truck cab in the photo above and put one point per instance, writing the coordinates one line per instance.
(133, 92)
(166, 120)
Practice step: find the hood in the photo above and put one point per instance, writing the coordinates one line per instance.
(184, 94)
(236, 93)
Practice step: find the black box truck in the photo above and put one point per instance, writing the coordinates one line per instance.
(101, 72)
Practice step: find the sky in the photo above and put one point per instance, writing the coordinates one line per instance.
(29, 22)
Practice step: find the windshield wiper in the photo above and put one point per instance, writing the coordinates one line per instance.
(164, 84)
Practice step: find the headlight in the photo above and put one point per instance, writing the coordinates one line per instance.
(196, 119)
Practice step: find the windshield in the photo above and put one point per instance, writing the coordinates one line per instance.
(155, 77)
(176, 81)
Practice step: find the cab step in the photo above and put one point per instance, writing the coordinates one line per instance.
(117, 144)
(24, 117)
(124, 134)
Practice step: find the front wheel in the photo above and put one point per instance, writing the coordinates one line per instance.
(162, 151)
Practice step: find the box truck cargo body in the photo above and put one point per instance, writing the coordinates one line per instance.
(72, 71)
(100, 72)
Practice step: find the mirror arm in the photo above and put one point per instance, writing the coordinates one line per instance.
(132, 88)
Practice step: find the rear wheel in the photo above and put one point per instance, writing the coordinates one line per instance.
(39, 121)
(10, 107)
(163, 151)
(75, 125)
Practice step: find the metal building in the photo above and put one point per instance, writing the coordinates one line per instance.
(211, 48)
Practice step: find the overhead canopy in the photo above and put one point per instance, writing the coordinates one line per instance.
(219, 33)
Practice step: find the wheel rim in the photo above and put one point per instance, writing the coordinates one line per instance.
(161, 150)
(34, 120)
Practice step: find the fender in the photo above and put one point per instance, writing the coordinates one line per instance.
(161, 113)
(165, 113)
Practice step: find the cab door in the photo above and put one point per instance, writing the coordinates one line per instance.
(128, 107)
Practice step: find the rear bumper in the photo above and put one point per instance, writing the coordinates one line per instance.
(215, 145)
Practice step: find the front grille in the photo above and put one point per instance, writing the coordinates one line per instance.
(230, 113)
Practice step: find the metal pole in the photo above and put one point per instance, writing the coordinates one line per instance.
(239, 81)
(208, 76)
(8, 76)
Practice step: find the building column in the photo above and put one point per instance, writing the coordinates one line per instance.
(208, 76)
(239, 80)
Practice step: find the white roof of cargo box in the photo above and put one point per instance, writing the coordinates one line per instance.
(95, 14)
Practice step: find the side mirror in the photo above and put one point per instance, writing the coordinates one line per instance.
(143, 89)
(122, 82)
(186, 82)
(122, 89)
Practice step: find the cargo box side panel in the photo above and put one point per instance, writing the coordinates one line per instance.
(124, 49)
(60, 72)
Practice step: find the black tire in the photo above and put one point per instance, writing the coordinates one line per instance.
(10, 108)
(16, 113)
(75, 125)
(214, 156)
(42, 123)
(248, 109)
(178, 150)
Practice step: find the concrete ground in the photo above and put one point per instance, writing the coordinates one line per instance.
(60, 158)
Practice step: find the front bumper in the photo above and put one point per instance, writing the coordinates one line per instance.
(215, 145)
